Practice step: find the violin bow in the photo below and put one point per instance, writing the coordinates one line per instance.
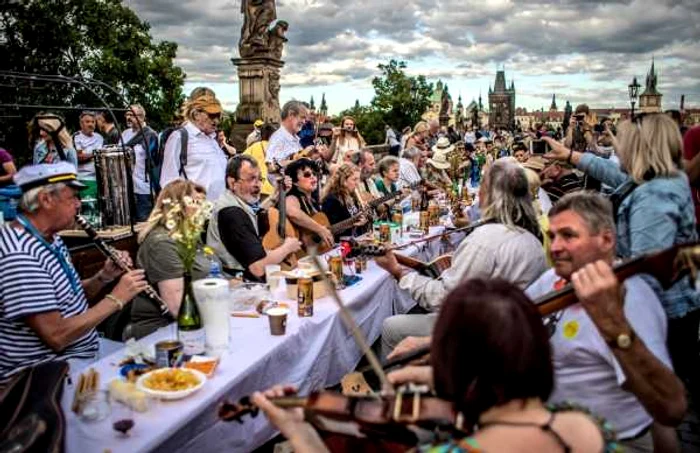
(351, 325)
(469, 227)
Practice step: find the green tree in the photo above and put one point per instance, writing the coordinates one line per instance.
(401, 99)
(98, 39)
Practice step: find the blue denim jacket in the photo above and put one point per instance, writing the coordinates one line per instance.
(654, 216)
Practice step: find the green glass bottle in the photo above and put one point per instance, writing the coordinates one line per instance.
(190, 330)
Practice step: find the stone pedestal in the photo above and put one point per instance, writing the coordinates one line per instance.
(259, 87)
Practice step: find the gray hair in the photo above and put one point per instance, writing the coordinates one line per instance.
(593, 208)
(386, 163)
(410, 153)
(508, 199)
(138, 110)
(29, 202)
(293, 108)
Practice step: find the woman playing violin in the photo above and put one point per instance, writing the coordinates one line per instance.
(500, 387)
(340, 201)
(302, 201)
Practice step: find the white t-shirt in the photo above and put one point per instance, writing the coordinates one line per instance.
(282, 144)
(138, 173)
(88, 144)
(586, 370)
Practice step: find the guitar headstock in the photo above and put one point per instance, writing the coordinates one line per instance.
(687, 262)
(235, 411)
(670, 265)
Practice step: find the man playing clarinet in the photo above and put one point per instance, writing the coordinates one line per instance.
(44, 312)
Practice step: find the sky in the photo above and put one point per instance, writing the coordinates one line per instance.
(581, 50)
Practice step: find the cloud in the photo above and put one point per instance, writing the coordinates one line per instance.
(595, 45)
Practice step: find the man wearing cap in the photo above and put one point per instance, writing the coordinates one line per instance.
(85, 142)
(256, 135)
(45, 314)
(144, 141)
(201, 160)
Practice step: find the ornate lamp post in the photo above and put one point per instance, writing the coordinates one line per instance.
(634, 94)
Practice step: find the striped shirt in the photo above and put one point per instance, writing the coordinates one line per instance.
(32, 281)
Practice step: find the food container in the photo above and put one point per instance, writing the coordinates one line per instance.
(246, 295)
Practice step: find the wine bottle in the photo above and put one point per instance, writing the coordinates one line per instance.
(424, 202)
(190, 330)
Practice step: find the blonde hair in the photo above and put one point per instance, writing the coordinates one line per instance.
(174, 193)
(421, 126)
(336, 183)
(650, 147)
(534, 183)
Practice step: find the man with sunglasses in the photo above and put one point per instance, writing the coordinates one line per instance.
(193, 153)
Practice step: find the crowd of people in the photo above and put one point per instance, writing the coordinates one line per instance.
(553, 209)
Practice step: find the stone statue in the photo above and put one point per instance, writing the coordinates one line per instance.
(276, 39)
(273, 93)
(257, 17)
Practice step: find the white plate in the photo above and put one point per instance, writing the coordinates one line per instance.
(174, 395)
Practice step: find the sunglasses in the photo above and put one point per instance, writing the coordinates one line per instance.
(214, 116)
(307, 174)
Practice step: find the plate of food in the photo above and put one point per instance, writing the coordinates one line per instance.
(171, 383)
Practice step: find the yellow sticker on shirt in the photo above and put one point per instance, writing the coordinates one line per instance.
(570, 329)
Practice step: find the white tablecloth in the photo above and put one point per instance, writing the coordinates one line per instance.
(315, 353)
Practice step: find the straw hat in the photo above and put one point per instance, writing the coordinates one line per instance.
(439, 160)
(443, 146)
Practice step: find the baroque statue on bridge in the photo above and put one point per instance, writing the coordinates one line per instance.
(257, 38)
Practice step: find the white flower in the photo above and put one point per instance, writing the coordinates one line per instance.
(176, 236)
(167, 201)
(170, 224)
(187, 200)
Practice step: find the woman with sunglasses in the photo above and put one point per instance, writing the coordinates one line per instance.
(340, 201)
(654, 210)
(302, 200)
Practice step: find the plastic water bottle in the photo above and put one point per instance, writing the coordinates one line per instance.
(214, 264)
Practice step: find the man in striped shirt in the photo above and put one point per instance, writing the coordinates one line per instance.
(44, 313)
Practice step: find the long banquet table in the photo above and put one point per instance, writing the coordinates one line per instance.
(315, 353)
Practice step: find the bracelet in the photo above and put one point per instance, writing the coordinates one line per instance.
(568, 159)
(116, 300)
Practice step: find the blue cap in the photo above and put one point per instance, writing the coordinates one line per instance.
(33, 176)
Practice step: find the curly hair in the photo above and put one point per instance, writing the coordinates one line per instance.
(336, 183)
(173, 193)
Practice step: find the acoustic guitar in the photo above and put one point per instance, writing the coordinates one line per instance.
(309, 238)
(280, 228)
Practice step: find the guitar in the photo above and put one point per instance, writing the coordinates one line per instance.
(309, 238)
(280, 228)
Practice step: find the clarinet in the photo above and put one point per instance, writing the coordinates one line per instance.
(111, 253)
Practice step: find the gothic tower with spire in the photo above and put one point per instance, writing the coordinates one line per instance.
(650, 99)
(502, 103)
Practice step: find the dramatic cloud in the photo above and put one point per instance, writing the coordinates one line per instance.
(582, 49)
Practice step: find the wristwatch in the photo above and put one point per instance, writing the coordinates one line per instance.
(623, 341)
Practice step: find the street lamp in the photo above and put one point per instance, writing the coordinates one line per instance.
(634, 94)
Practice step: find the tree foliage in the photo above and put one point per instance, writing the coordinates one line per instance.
(401, 99)
(98, 39)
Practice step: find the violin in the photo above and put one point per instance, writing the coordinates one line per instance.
(396, 418)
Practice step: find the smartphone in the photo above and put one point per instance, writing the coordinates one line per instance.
(539, 146)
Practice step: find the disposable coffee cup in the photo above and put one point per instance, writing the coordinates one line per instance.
(278, 320)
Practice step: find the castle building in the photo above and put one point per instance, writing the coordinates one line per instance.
(502, 103)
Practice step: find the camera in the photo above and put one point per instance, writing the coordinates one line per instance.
(539, 146)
